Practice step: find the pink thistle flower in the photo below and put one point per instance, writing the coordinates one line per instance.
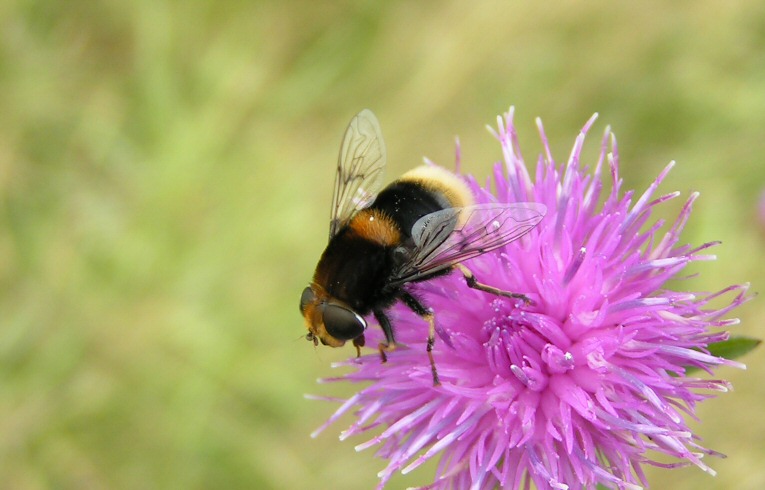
(584, 386)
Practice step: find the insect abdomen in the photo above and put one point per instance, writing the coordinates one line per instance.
(422, 190)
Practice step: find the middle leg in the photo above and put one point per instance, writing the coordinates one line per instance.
(390, 342)
(427, 315)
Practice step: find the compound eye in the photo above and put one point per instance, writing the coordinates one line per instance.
(306, 298)
(342, 323)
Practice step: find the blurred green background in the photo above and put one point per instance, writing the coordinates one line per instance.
(165, 177)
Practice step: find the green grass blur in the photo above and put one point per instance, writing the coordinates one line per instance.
(165, 177)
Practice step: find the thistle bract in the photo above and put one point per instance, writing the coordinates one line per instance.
(583, 387)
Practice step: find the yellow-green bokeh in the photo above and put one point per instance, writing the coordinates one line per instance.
(165, 176)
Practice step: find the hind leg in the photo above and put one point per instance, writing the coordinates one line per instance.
(473, 283)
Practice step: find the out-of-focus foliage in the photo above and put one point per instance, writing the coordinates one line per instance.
(165, 176)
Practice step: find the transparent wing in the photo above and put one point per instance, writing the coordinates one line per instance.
(449, 236)
(359, 169)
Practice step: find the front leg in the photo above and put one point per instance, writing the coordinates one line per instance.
(427, 315)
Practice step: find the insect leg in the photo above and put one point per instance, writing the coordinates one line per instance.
(358, 343)
(473, 283)
(426, 314)
(387, 328)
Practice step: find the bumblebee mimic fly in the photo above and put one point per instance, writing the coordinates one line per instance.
(420, 226)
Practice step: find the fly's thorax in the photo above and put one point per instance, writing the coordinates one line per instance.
(354, 268)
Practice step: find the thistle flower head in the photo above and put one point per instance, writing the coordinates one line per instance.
(582, 387)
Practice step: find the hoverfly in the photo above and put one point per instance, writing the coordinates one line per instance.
(420, 226)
